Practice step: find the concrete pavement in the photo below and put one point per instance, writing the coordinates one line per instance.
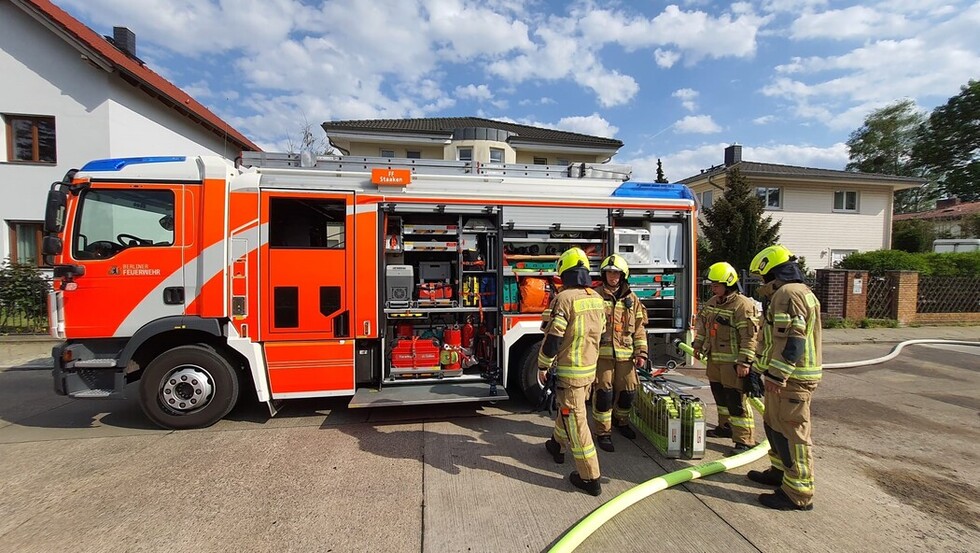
(896, 464)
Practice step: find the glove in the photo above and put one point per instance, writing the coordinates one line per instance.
(548, 398)
(753, 385)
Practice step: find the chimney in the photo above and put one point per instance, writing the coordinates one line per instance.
(733, 154)
(947, 202)
(124, 40)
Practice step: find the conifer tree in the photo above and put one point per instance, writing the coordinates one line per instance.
(660, 173)
(735, 227)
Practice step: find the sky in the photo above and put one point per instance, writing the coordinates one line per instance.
(789, 80)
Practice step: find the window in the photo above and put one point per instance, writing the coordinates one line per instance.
(25, 243)
(30, 138)
(387, 153)
(707, 197)
(771, 197)
(561, 161)
(413, 154)
(836, 256)
(307, 223)
(540, 161)
(113, 220)
(846, 200)
(496, 155)
(464, 154)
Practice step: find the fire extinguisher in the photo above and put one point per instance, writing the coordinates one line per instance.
(467, 334)
(452, 336)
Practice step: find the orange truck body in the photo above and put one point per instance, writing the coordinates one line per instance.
(194, 272)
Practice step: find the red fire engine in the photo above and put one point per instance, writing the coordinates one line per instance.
(396, 282)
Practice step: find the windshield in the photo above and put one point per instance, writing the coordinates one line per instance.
(113, 220)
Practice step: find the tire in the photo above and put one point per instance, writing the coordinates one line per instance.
(527, 379)
(188, 387)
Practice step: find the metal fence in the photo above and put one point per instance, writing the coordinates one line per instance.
(881, 295)
(938, 294)
(21, 322)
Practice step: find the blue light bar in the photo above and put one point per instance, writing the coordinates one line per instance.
(663, 191)
(118, 163)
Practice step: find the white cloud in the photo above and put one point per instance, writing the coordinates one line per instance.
(666, 58)
(697, 124)
(764, 120)
(474, 92)
(849, 23)
(594, 125)
(689, 162)
(840, 90)
(688, 98)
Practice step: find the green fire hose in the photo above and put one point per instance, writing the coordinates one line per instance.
(581, 531)
(578, 533)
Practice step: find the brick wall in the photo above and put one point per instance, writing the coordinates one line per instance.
(906, 287)
(832, 283)
(856, 295)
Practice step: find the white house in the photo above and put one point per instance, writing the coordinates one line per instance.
(70, 96)
(825, 214)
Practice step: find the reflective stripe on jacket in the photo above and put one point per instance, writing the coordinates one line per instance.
(728, 329)
(793, 311)
(578, 317)
(625, 337)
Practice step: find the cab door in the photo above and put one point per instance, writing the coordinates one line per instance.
(308, 292)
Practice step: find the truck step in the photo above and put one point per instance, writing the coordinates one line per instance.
(423, 394)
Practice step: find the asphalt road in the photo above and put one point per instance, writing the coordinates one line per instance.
(896, 470)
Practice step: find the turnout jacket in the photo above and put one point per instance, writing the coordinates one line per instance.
(625, 337)
(790, 346)
(577, 317)
(726, 329)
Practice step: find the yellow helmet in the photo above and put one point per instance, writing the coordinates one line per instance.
(773, 256)
(571, 258)
(723, 273)
(615, 263)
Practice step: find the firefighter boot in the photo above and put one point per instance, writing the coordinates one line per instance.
(604, 441)
(719, 432)
(740, 448)
(626, 431)
(555, 450)
(591, 487)
(769, 477)
(781, 502)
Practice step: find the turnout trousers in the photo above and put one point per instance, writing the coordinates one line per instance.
(572, 428)
(787, 424)
(615, 390)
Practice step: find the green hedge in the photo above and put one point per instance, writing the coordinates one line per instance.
(927, 264)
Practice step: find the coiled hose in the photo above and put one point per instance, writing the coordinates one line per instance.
(587, 526)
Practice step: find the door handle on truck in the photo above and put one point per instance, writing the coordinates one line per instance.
(367, 328)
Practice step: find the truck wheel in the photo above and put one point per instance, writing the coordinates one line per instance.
(188, 387)
(528, 379)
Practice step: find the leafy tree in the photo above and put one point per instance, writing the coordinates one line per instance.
(884, 145)
(948, 144)
(735, 227)
(913, 235)
(660, 172)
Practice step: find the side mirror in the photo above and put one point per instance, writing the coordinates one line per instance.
(54, 212)
(51, 245)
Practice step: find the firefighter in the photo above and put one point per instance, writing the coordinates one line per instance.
(789, 360)
(575, 323)
(726, 329)
(622, 350)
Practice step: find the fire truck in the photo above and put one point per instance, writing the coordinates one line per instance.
(391, 281)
